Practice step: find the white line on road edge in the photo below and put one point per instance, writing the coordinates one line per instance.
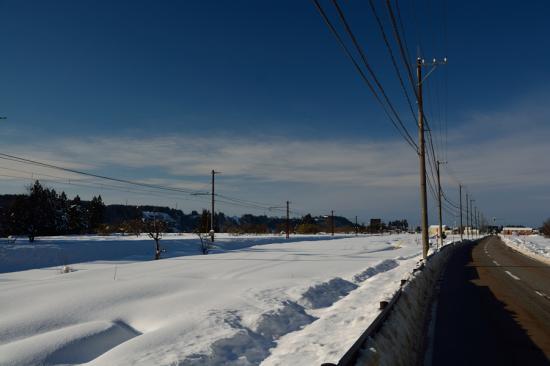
(511, 275)
(495, 262)
(539, 293)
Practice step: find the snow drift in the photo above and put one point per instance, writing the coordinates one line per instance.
(246, 306)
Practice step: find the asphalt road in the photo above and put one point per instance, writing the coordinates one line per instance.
(493, 308)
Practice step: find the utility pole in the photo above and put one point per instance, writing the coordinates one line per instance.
(481, 222)
(467, 217)
(422, 150)
(460, 205)
(287, 220)
(332, 221)
(477, 221)
(212, 212)
(356, 227)
(439, 194)
(472, 214)
(422, 155)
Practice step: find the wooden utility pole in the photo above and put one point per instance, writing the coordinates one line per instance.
(460, 205)
(439, 194)
(212, 212)
(332, 221)
(481, 222)
(472, 214)
(422, 155)
(467, 217)
(476, 219)
(287, 219)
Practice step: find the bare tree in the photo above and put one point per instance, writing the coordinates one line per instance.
(134, 227)
(155, 229)
(206, 243)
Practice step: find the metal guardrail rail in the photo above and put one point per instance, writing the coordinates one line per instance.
(351, 356)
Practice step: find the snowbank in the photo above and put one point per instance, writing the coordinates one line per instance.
(261, 303)
(339, 325)
(536, 246)
(404, 328)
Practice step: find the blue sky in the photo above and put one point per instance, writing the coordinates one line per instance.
(166, 91)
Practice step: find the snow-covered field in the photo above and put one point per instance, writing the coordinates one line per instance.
(534, 245)
(62, 250)
(256, 300)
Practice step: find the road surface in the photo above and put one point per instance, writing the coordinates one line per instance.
(493, 308)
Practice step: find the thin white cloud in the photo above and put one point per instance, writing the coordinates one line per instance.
(500, 151)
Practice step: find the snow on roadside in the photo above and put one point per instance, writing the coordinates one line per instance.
(233, 308)
(536, 246)
(327, 339)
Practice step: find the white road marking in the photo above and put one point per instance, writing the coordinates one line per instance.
(513, 276)
(540, 293)
(495, 262)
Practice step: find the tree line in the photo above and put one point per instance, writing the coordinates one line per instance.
(43, 211)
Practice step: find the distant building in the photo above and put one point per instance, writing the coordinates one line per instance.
(516, 230)
(433, 230)
(161, 216)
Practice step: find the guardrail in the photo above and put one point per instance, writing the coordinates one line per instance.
(351, 356)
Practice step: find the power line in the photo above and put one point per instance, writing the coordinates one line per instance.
(37, 163)
(394, 62)
(404, 56)
(348, 53)
(228, 200)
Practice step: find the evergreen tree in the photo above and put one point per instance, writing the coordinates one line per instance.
(62, 209)
(75, 217)
(41, 211)
(17, 218)
(96, 213)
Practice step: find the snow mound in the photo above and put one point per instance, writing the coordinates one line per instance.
(289, 318)
(70, 345)
(251, 345)
(243, 348)
(248, 346)
(326, 293)
(384, 266)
